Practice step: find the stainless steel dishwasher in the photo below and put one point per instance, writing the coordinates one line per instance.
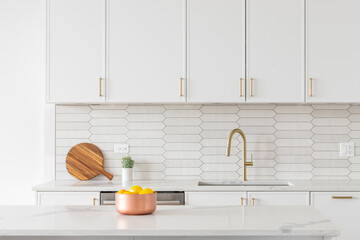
(163, 198)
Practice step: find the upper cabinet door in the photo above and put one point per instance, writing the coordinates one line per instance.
(333, 50)
(216, 57)
(76, 51)
(275, 51)
(146, 51)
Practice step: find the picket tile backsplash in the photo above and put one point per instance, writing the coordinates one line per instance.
(188, 141)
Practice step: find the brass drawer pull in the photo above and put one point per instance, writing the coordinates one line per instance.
(100, 95)
(310, 87)
(252, 201)
(342, 197)
(242, 201)
(240, 87)
(181, 87)
(93, 201)
(251, 87)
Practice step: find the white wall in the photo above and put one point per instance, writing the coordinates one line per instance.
(22, 98)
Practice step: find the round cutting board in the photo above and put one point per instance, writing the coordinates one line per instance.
(85, 161)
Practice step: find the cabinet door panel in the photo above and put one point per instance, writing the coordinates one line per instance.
(333, 50)
(214, 198)
(76, 50)
(146, 51)
(216, 50)
(68, 198)
(275, 50)
(343, 212)
(279, 198)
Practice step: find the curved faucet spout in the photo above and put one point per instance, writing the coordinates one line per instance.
(228, 149)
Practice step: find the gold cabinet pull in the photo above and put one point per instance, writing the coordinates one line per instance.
(100, 95)
(181, 88)
(242, 201)
(310, 87)
(251, 87)
(342, 197)
(240, 87)
(252, 201)
(93, 201)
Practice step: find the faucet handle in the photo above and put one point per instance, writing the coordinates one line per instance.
(251, 163)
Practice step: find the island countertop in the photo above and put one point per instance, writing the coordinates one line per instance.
(166, 221)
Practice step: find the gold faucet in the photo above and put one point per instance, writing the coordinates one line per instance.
(228, 148)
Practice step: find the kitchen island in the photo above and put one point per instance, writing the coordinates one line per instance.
(168, 222)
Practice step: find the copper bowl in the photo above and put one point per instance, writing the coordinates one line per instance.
(135, 204)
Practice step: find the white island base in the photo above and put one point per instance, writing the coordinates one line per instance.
(168, 222)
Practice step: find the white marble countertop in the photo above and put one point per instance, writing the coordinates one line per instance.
(192, 185)
(166, 221)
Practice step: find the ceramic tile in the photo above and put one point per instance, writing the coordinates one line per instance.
(182, 121)
(219, 109)
(108, 121)
(145, 117)
(330, 113)
(72, 134)
(108, 130)
(108, 138)
(256, 113)
(293, 109)
(108, 106)
(72, 117)
(209, 117)
(145, 109)
(182, 138)
(188, 141)
(182, 113)
(108, 113)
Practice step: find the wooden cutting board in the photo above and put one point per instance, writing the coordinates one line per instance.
(85, 161)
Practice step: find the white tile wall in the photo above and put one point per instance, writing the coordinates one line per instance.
(188, 141)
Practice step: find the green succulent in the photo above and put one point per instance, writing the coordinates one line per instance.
(127, 162)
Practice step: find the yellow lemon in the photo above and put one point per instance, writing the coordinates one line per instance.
(135, 189)
(121, 191)
(127, 192)
(146, 191)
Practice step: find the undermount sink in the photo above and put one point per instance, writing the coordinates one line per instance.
(242, 183)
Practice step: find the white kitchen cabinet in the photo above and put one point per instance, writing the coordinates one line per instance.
(68, 198)
(333, 49)
(146, 51)
(215, 198)
(278, 198)
(216, 50)
(76, 51)
(275, 51)
(343, 208)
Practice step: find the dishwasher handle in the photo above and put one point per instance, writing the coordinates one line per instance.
(168, 203)
(109, 202)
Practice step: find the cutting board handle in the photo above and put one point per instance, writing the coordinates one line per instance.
(106, 174)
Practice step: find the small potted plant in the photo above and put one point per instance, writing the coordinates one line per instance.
(127, 169)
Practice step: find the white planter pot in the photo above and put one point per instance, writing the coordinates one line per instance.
(127, 174)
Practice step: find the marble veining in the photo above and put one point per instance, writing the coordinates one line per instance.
(166, 221)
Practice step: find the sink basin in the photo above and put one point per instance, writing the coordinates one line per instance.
(241, 183)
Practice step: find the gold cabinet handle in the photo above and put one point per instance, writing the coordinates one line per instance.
(252, 201)
(251, 87)
(242, 201)
(342, 197)
(310, 87)
(240, 87)
(93, 201)
(181, 87)
(100, 95)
